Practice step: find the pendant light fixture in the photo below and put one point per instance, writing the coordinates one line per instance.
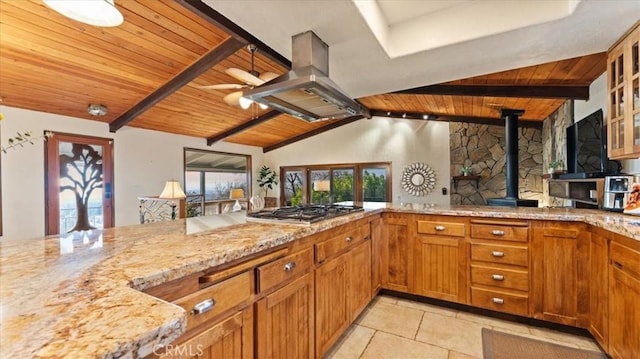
(93, 12)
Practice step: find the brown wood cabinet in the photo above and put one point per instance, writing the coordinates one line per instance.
(377, 245)
(440, 258)
(560, 270)
(397, 261)
(624, 308)
(623, 84)
(499, 265)
(599, 286)
(285, 321)
(343, 282)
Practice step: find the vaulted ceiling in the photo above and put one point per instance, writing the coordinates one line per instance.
(150, 71)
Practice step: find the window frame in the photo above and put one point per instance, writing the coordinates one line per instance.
(357, 168)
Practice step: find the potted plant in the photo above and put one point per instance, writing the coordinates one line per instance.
(465, 170)
(267, 178)
(555, 167)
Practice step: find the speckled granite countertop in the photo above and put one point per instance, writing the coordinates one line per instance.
(78, 295)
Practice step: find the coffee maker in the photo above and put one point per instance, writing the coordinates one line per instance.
(616, 191)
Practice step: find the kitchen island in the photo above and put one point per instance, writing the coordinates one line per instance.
(80, 295)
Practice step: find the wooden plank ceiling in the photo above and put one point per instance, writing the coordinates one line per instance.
(140, 71)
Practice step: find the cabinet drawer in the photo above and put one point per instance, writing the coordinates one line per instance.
(279, 271)
(500, 301)
(498, 277)
(500, 232)
(498, 253)
(626, 259)
(339, 242)
(441, 228)
(211, 301)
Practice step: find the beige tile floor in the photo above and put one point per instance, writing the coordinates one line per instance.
(398, 328)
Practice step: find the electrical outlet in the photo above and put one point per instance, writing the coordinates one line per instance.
(444, 191)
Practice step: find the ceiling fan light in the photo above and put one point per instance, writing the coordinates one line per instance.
(245, 103)
(93, 12)
(263, 106)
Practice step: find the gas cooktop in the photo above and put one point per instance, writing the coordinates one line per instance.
(304, 214)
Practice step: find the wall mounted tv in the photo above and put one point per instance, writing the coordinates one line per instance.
(587, 147)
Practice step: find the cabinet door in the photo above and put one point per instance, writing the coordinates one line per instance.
(231, 338)
(560, 273)
(397, 261)
(332, 317)
(284, 321)
(598, 289)
(440, 265)
(359, 287)
(624, 314)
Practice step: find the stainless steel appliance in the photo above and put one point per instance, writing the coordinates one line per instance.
(304, 214)
(617, 190)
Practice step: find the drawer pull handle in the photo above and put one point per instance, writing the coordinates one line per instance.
(498, 277)
(289, 266)
(439, 228)
(348, 239)
(203, 307)
(497, 300)
(497, 254)
(497, 232)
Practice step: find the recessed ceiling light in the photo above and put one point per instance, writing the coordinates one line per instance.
(97, 110)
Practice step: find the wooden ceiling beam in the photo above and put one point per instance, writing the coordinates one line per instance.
(312, 133)
(219, 20)
(202, 65)
(447, 118)
(526, 91)
(243, 126)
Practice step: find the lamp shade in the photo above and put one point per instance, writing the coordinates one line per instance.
(172, 190)
(322, 186)
(245, 102)
(236, 193)
(93, 12)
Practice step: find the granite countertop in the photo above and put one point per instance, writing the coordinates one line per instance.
(78, 295)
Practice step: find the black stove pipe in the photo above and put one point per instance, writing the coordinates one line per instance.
(511, 148)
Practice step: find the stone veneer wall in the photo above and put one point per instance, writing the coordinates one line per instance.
(554, 139)
(483, 148)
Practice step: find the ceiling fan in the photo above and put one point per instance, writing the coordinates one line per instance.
(249, 79)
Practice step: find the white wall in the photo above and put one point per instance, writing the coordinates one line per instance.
(379, 139)
(598, 99)
(143, 161)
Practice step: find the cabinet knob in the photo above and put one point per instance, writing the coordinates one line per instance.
(498, 277)
(439, 228)
(348, 239)
(497, 300)
(289, 266)
(203, 307)
(497, 254)
(498, 232)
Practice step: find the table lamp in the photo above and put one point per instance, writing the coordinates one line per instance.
(172, 191)
(236, 193)
(322, 187)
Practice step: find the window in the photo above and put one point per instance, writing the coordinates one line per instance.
(211, 176)
(322, 184)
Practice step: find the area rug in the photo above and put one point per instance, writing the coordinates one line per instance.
(498, 345)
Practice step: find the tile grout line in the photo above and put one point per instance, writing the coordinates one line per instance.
(368, 342)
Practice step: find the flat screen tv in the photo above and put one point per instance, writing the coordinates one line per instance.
(586, 146)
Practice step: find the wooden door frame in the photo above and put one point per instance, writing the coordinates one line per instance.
(51, 185)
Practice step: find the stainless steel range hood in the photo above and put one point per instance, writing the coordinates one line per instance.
(306, 91)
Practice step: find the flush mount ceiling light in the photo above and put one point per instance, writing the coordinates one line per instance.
(93, 12)
(97, 110)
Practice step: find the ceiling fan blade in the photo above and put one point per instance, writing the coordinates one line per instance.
(222, 87)
(233, 99)
(268, 76)
(244, 76)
